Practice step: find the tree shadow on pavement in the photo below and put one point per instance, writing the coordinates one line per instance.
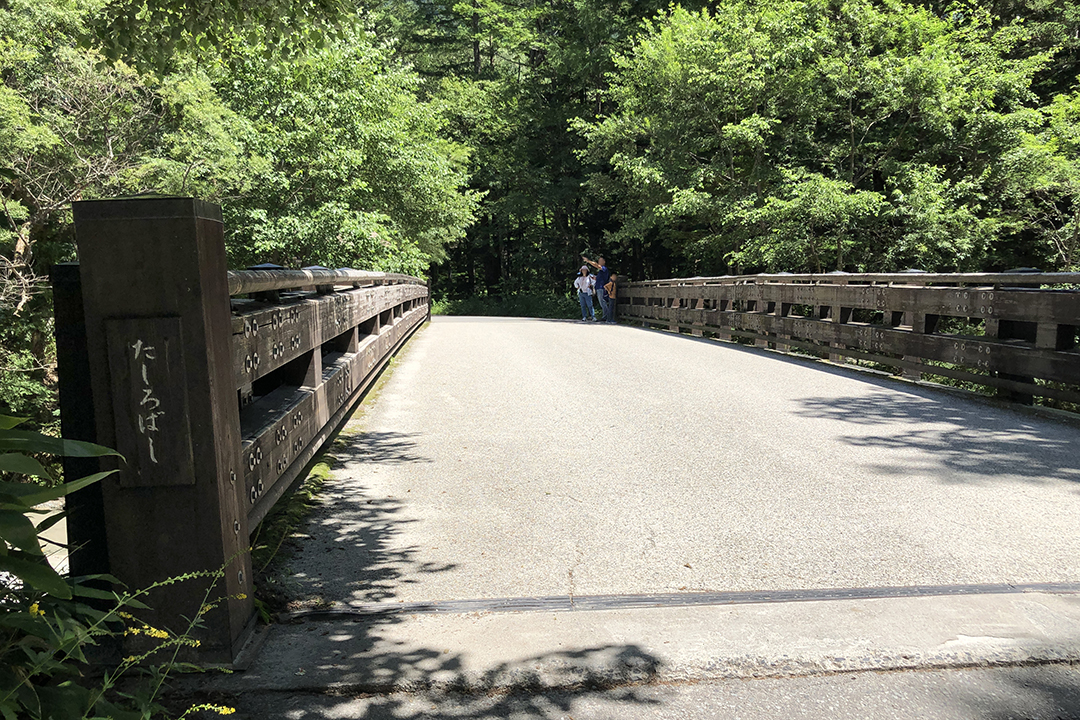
(1019, 693)
(384, 448)
(377, 666)
(969, 440)
(346, 549)
(429, 683)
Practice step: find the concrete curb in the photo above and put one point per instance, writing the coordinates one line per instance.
(513, 652)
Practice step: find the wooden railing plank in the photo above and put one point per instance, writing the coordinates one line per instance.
(282, 429)
(1024, 305)
(342, 383)
(267, 337)
(1029, 334)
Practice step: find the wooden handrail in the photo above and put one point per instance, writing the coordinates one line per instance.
(902, 278)
(242, 282)
(1002, 330)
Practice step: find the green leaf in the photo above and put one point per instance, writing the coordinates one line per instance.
(96, 576)
(30, 624)
(66, 700)
(111, 711)
(83, 591)
(17, 529)
(6, 421)
(93, 616)
(37, 574)
(50, 521)
(35, 442)
(35, 495)
(22, 465)
(28, 697)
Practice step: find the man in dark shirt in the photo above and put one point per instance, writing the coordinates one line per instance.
(603, 275)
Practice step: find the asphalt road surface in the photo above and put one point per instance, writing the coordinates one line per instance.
(516, 457)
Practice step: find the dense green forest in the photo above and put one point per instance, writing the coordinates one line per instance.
(490, 143)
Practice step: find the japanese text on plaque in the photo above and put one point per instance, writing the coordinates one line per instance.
(149, 404)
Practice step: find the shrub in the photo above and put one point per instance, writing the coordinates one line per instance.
(49, 622)
(534, 305)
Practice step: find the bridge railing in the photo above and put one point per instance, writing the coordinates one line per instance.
(217, 387)
(302, 356)
(1017, 332)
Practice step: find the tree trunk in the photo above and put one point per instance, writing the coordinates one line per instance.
(476, 40)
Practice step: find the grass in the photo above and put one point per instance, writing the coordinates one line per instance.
(271, 592)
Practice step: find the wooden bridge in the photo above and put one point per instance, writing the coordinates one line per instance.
(219, 387)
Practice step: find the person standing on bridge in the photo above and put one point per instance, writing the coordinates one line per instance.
(603, 276)
(584, 284)
(613, 302)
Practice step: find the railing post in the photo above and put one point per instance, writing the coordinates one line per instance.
(781, 310)
(840, 315)
(674, 304)
(723, 307)
(917, 322)
(760, 306)
(156, 307)
(87, 548)
(1006, 330)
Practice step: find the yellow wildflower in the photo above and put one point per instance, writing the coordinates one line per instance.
(219, 709)
(148, 631)
(35, 610)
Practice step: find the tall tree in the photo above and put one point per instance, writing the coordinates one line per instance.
(514, 75)
(816, 135)
(329, 158)
(357, 169)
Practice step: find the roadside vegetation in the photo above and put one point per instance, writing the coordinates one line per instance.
(535, 305)
(73, 647)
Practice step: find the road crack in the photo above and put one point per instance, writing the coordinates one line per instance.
(570, 574)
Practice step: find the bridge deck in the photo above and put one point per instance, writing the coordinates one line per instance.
(510, 458)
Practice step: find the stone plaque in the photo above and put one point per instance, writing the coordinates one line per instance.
(150, 404)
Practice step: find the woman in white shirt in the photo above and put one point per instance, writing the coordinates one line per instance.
(585, 286)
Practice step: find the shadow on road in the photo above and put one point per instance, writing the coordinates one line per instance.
(1019, 693)
(348, 551)
(504, 691)
(970, 440)
(384, 448)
